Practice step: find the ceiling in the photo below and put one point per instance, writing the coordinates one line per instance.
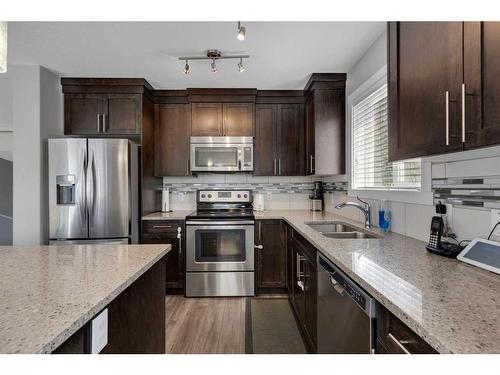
(283, 54)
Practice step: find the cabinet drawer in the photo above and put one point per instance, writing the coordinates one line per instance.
(395, 337)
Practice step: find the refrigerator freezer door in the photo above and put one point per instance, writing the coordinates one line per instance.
(108, 188)
(67, 203)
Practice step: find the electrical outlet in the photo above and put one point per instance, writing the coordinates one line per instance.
(269, 195)
(181, 196)
(449, 215)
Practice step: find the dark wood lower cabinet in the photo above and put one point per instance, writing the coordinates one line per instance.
(270, 256)
(394, 337)
(166, 232)
(304, 291)
(136, 319)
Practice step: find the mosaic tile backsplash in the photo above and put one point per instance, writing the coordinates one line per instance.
(277, 185)
(473, 192)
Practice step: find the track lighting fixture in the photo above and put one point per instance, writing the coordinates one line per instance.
(187, 68)
(241, 67)
(241, 31)
(213, 55)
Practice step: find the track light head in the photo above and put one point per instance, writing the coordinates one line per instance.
(213, 66)
(241, 67)
(241, 32)
(187, 68)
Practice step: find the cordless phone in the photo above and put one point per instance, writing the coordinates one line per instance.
(437, 227)
(435, 244)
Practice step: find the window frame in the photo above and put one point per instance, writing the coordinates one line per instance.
(421, 196)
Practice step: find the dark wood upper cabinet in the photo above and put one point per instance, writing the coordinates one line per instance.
(482, 83)
(206, 119)
(325, 124)
(310, 141)
(172, 122)
(265, 129)
(105, 106)
(122, 113)
(290, 140)
(418, 87)
(271, 258)
(82, 114)
(222, 119)
(238, 119)
(279, 140)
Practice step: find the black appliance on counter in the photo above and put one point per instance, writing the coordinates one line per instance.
(317, 201)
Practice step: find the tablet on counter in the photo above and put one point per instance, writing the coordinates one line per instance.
(482, 253)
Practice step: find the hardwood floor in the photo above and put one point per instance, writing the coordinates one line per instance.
(205, 325)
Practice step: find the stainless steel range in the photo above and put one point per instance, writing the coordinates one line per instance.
(220, 244)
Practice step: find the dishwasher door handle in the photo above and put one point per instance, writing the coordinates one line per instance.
(337, 286)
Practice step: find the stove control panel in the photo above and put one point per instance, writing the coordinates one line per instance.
(224, 196)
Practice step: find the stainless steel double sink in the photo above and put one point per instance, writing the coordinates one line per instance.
(337, 229)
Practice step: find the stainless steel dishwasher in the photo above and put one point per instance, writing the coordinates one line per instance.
(346, 313)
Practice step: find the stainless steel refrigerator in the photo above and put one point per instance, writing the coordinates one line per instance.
(93, 190)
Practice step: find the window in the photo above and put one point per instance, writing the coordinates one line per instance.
(371, 168)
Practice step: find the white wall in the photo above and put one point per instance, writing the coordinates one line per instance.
(6, 117)
(37, 113)
(413, 219)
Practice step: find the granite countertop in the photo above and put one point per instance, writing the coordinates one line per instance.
(453, 306)
(49, 292)
(172, 215)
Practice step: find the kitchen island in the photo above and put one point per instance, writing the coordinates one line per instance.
(50, 294)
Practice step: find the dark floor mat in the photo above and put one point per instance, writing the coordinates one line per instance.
(271, 327)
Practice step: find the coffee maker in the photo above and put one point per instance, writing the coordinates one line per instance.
(317, 202)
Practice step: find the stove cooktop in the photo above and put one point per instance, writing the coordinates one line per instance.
(222, 214)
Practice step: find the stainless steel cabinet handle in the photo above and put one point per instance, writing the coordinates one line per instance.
(187, 167)
(279, 166)
(396, 341)
(180, 239)
(447, 109)
(260, 247)
(311, 163)
(98, 123)
(161, 226)
(463, 112)
(274, 163)
(104, 123)
(260, 231)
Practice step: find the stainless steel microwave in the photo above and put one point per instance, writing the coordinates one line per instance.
(221, 154)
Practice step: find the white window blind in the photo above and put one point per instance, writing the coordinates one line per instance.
(371, 168)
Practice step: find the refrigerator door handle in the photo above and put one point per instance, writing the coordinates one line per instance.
(83, 176)
(91, 189)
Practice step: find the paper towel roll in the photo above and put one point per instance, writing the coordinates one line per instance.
(165, 200)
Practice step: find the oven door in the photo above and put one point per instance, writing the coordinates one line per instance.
(219, 247)
(216, 157)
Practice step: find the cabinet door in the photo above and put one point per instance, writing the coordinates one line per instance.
(289, 261)
(165, 232)
(271, 259)
(206, 119)
(425, 62)
(298, 300)
(122, 114)
(310, 296)
(329, 122)
(238, 119)
(482, 83)
(172, 139)
(290, 140)
(310, 142)
(82, 114)
(265, 140)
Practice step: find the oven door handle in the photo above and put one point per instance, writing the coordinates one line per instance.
(210, 222)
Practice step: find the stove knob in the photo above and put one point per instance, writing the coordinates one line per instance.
(245, 196)
(239, 195)
(210, 195)
(203, 195)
